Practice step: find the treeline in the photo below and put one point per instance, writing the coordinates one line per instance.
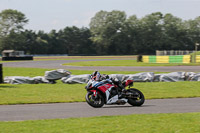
(109, 33)
(71, 40)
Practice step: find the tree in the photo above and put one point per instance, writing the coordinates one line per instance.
(11, 20)
(86, 46)
(173, 33)
(192, 28)
(55, 46)
(31, 45)
(76, 40)
(11, 24)
(106, 27)
(151, 33)
(134, 36)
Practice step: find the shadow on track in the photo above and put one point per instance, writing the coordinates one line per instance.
(127, 106)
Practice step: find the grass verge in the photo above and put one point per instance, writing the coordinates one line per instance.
(55, 93)
(145, 123)
(82, 57)
(32, 72)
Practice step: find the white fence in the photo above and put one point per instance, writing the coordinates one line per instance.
(174, 52)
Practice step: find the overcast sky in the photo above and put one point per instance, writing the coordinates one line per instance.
(57, 14)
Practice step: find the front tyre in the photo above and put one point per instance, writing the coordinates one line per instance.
(137, 99)
(94, 101)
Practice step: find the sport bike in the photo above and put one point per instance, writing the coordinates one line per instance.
(111, 92)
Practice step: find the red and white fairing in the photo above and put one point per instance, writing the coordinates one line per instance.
(106, 88)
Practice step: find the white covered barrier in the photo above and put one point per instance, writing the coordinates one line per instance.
(56, 74)
(120, 77)
(49, 77)
(74, 79)
(172, 77)
(141, 77)
(40, 79)
(194, 77)
(24, 80)
(67, 78)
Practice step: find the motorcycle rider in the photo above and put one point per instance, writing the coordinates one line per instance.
(96, 76)
(100, 78)
(105, 78)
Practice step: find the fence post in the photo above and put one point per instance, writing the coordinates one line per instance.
(139, 58)
(1, 73)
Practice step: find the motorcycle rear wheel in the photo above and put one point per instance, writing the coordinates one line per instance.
(94, 101)
(136, 101)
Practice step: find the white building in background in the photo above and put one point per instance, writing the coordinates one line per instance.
(12, 53)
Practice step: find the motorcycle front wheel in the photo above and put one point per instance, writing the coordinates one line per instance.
(138, 98)
(94, 101)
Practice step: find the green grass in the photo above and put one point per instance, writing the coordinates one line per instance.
(160, 90)
(41, 58)
(41, 93)
(46, 58)
(54, 93)
(126, 63)
(32, 72)
(137, 123)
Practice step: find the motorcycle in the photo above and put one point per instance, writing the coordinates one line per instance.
(108, 92)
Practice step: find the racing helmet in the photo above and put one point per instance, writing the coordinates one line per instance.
(96, 76)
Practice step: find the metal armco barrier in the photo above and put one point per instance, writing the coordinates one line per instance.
(168, 59)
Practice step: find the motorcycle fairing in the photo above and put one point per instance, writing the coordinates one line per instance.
(105, 87)
(128, 82)
(114, 99)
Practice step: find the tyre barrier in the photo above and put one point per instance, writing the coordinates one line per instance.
(17, 58)
(168, 59)
(198, 59)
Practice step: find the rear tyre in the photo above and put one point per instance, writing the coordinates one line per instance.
(94, 101)
(138, 99)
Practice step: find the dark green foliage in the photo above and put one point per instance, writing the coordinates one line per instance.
(110, 33)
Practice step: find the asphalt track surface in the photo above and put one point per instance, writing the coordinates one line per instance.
(71, 110)
(57, 64)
